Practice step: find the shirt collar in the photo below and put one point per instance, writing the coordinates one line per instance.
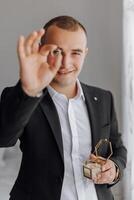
(79, 91)
(79, 94)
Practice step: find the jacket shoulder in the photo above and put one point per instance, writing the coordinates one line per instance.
(96, 90)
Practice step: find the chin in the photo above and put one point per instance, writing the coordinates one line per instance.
(64, 83)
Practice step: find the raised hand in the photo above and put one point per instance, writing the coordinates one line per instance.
(38, 66)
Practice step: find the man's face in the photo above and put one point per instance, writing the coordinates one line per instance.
(73, 48)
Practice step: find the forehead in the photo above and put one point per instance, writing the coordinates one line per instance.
(66, 38)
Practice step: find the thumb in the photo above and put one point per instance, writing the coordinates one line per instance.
(92, 157)
(55, 61)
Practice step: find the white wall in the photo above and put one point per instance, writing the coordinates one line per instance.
(128, 102)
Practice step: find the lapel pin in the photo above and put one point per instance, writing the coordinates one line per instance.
(95, 98)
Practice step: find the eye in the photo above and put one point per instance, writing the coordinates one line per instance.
(56, 52)
(76, 53)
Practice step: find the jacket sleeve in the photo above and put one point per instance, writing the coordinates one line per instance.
(16, 109)
(119, 156)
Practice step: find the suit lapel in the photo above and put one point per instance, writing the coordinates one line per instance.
(93, 107)
(94, 112)
(51, 114)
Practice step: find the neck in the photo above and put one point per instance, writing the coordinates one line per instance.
(68, 91)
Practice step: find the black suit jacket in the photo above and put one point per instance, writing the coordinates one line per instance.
(36, 123)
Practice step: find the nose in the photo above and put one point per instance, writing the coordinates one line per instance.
(66, 61)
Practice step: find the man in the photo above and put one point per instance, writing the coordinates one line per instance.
(59, 120)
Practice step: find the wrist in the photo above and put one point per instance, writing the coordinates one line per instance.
(117, 175)
(32, 93)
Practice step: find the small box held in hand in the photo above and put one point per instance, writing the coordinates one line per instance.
(92, 167)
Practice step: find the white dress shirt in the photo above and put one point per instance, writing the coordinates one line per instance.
(76, 136)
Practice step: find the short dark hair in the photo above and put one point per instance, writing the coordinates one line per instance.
(64, 22)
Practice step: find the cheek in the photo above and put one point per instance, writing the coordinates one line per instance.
(79, 62)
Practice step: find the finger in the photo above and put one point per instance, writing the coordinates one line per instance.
(105, 177)
(108, 165)
(104, 180)
(29, 42)
(54, 56)
(20, 48)
(57, 62)
(36, 42)
(96, 159)
(47, 49)
(92, 157)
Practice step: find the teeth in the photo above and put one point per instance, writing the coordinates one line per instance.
(61, 72)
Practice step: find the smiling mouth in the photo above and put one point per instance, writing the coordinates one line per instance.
(65, 72)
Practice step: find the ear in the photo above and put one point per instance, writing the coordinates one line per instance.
(86, 51)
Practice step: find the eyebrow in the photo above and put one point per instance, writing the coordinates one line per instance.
(74, 50)
(78, 50)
